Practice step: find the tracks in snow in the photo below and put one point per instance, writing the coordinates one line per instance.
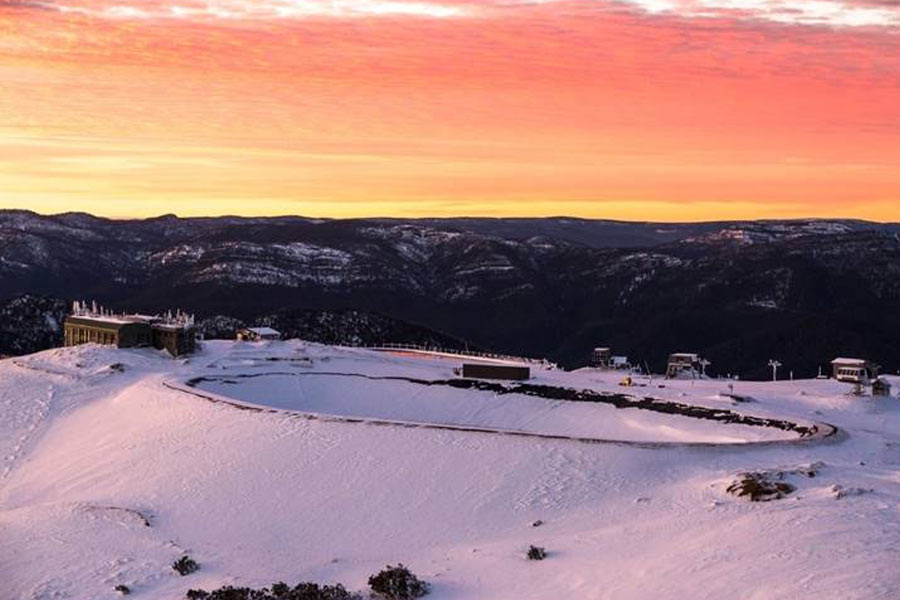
(35, 417)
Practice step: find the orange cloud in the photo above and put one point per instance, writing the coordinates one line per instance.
(443, 108)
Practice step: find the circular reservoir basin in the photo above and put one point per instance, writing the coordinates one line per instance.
(396, 399)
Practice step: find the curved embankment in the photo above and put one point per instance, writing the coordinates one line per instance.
(813, 432)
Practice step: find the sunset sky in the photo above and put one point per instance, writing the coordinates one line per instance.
(629, 109)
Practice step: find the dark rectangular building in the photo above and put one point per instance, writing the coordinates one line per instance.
(177, 339)
(106, 331)
(489, 371)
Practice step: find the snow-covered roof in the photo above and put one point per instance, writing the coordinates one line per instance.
(140, 317)
(172, 326)
(96, 313)
(850, 361)
(107, 319)
(264, 331)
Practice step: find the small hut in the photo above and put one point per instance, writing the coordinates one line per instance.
(258, 334)
(620, 363)
(853, 370)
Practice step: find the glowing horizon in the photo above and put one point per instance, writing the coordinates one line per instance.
(625, 211)
(650, 110)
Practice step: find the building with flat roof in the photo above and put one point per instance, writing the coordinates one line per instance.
(600, 358)
(173, 332)
(106, 331)
(853, 370)
(177, 339)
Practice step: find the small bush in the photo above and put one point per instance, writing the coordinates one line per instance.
(397, 583)
(536, 553)
(123, 589)
(279, 591)
(185, 565)
(758, 487)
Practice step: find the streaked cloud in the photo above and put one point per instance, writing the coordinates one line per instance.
(257, 9)
(836, 13)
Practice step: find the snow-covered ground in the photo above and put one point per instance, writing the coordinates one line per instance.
(112, 467)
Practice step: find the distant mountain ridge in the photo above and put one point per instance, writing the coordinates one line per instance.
(738, 292)
(594, 233)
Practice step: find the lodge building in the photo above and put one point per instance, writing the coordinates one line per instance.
(94, 325)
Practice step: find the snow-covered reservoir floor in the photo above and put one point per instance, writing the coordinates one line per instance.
(93, 443)
(388, 386)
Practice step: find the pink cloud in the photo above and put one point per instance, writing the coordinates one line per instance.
(838, 13)
(538, 101)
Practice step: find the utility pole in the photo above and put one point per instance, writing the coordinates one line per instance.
(774, 364)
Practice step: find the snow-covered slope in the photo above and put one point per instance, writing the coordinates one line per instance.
(108, 475)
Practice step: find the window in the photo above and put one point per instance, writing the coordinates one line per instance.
(850, 372)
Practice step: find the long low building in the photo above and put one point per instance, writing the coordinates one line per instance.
(491, 371)
(172, 332)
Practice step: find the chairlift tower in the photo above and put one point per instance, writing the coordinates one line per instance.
(774, 364)
(703, 364)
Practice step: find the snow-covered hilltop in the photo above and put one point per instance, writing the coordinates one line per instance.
(300, 462)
